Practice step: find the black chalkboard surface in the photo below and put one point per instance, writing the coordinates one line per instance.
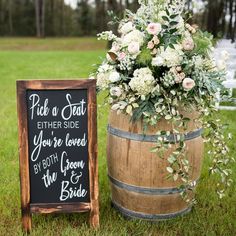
(58, 145)
(57, 123)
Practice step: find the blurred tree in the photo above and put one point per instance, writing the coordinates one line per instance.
(10, 17)
(55, 18)
(40, 17)
(85, 19)
(100, 15)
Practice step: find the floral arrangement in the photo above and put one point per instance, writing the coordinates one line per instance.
(160, 64)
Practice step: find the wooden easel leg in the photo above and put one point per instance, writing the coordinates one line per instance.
(94, 215)
(26, 221)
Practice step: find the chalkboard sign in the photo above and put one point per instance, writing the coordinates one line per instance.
(58, 148)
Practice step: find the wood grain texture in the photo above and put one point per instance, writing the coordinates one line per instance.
(27, 208)
(131, 162)
(56, 208)
(93, 150)
(23, 157)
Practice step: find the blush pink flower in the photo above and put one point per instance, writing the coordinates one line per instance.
(154, 28)
(188, 44)
(155, 40)
(188, 84)
(150, 45)
(121, 56)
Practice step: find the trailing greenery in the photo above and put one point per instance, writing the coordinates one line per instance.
(160, 67)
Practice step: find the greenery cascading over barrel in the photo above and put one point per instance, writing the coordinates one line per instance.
(158, 66)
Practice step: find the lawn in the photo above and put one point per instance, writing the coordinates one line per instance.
(210, 216)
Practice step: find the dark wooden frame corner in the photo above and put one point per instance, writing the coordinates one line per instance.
(26, 207)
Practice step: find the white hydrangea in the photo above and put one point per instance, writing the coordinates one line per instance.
(103, 75)
(143, 81)
(171, 57)
(133, 36)
(103, 80)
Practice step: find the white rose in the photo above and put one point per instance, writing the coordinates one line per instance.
(115, 91)
(188, 84)
(114, 77)
(133, 36)
(157, 61)
(127, 27)
(134, 48)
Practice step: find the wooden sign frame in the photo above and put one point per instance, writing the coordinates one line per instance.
(26, 207)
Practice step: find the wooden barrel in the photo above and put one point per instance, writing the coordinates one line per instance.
(138, 178)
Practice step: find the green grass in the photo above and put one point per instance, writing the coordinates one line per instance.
(28, 44)
(210, 217)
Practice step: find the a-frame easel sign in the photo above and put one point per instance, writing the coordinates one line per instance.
(57, 124)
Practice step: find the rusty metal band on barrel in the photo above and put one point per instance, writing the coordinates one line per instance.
(151, 138)
(138, 215)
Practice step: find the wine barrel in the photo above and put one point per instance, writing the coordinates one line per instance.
(138, 178)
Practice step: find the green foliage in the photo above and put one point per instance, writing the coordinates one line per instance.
(203, 42)
(145, 57)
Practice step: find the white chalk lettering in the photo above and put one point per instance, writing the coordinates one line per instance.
(40, 142)
(36, 107)
(66, 165)
(73, 109)
(49, 179)
(72, 192)
(75, 142)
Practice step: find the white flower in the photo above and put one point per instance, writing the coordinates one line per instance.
(225, 55)
(104, 68)
(126, 28)
(134, 36)
(221, 64)
(134, 48)
(103, 80)
(119, 106)
(115, 47)
(114, 76)
(143, 81)
(115, 91)
(107, 35)
(154, 28)
(198, 62)
(188, 84)
(172, 57)
(157, 61)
